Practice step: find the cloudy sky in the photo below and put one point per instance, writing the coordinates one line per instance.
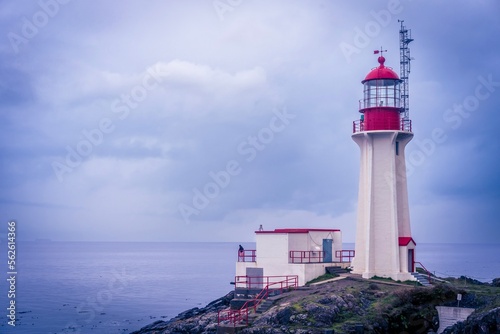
(200, 120)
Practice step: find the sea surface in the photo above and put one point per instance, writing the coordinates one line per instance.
(87, 287)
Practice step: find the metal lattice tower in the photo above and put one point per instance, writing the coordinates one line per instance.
(405, 59)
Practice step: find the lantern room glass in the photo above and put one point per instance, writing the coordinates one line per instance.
(382, 93)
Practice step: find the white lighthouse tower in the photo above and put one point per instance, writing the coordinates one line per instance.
(384, 246)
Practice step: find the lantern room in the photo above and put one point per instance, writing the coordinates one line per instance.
(380, 107)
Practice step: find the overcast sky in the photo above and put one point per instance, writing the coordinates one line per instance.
(200, 120)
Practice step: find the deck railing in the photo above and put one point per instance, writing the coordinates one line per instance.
(306, 256)
(240, 316)
(247, 255)
(345, 255)
(258, 282)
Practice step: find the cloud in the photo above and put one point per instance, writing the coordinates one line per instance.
(182, 100)
(184, 73)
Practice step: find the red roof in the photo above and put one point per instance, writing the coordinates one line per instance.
(299, 230)
(404, 241)
(381, 72)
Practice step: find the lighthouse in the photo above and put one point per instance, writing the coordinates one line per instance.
(384, 245)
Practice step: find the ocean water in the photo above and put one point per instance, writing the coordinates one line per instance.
(478, 261)
(68, 287)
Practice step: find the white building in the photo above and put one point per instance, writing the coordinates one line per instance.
(384, 246)
(296, 251)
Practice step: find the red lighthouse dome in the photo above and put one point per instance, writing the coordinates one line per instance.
(381, 72)
(380, 107)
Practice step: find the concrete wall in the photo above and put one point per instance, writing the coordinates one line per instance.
(448, 316)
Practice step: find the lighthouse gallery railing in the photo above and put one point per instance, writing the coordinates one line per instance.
(405, 125)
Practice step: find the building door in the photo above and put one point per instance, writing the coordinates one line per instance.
(411, 260)
(327, 250)
(255, 278)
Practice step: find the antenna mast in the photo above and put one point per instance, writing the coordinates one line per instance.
(404, 62)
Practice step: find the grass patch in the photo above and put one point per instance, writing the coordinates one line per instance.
(322, 278)
(386, 279)
(298, 308)
(478, 295)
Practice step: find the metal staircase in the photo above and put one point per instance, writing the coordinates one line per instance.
(242, 315)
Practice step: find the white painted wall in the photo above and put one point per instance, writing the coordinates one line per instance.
(272, 247)
(382, 204)
(337, 244)
(273, 254)
(403, 209)
(297, 242)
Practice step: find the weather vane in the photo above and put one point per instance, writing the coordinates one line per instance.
(381, 51)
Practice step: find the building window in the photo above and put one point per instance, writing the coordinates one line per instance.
(397, 148)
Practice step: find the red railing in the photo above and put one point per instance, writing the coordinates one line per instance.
(247, 255)
(318, 256)
(306, 256)
(406, 125)
(241, 316)
(345, 255)
(358, 126)
(258, 282)
(429, 275)
(233, 317)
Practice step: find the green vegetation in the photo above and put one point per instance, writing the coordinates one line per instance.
(297, 307)
(321, 278)
(379, 305)
(476, 294)
(412, 283)
(384, 308)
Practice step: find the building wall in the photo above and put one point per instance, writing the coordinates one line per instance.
(403, 258)
(337, 244)
(298, 242)
(272, 247)
(273, 254)
(403, 251)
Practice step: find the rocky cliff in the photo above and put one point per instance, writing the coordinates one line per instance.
(351, 305)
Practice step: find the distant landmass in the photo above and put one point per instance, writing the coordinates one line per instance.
(43, 240)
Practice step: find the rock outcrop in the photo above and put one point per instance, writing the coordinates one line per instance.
(193, 321)
(350, 305)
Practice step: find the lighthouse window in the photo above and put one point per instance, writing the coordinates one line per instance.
(381, 93)
(397, 148)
